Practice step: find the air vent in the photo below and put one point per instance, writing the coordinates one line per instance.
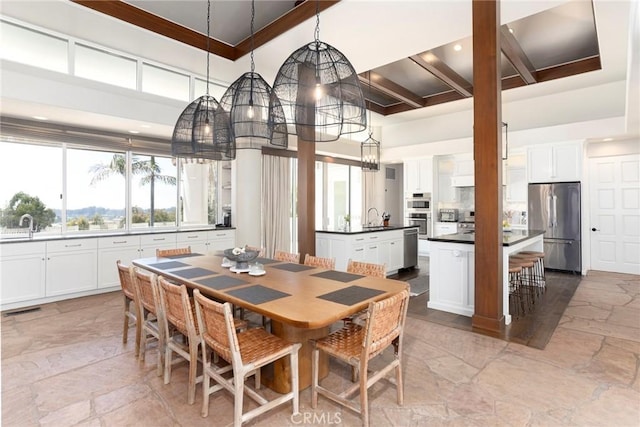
(390, 173)
(23, 311)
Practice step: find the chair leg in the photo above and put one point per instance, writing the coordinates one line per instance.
(193, 368)
(168, 355)
(238, 398)
(315, 358)
(364, 398)
(294, 382)
(205, 391)
(125, 328)
(399, 384)
(138, 336)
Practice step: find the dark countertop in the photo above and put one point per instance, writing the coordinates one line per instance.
(358, 229)
(508, 237)
(51, 237)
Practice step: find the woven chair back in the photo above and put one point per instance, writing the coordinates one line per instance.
(286, 256)
(367, 269)
(171, 252)
(126, 280)
(147, 286)
(316, 261)
(385, 322)
(216, 326)
(177, 307)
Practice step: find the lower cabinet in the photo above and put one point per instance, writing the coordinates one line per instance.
(72, 266)
(44, 271)
(383, 247)
(23, 272)
(452, 274)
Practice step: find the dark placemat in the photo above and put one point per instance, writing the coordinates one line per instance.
(340, 276)
(257, 294)
(351, 295)
(265, 261)
(183, 255)
(295, 268)
(168, 265)
(190, 273)
(221, 282)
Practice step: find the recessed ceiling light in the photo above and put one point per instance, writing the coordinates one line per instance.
(40, 117)
(511, 30)
(134, 131)
(608, 139)
(457, 47)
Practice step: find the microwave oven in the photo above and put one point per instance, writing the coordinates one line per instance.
(419, 201)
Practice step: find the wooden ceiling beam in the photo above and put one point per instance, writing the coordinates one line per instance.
(514, 53)
(442, 71)
(295, 16)
(392, 89)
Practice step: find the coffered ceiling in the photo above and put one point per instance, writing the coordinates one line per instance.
(552, 44)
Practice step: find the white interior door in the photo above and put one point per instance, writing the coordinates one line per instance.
(615, 213)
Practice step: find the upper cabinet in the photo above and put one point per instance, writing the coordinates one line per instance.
(463, 171)
(418, 175)
(555, 162)
(515, 178)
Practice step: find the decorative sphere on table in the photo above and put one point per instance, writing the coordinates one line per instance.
(242, 259)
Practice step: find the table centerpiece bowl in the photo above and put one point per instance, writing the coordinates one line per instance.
(242, 259)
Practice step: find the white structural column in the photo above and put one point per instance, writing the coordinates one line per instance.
(248, 203)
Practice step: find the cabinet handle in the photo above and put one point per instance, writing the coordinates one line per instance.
(159, 240)
(373, 237)
(192, 237)
(220, 235)
(373, 247)
(73, 246)
(119, 242)
(359, 250)
(359, 240)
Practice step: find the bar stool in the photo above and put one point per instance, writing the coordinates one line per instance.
(515, 293)
(539, 267)
(536, 276)
(527, 283)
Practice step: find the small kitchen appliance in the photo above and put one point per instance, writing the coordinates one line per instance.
(448, 215)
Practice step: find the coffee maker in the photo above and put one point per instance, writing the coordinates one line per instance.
(226, 218)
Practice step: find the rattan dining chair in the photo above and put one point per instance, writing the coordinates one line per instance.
(357, 345)
(181, 332)
(172, 252)
(131, 313)
(316, 261)
(367, 269)
(286, 256)
(146, 285)
(246, 352)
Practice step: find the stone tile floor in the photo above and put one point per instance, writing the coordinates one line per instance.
(65, 365)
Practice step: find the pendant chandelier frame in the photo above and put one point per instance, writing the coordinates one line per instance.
(370, 147)
(203, 130)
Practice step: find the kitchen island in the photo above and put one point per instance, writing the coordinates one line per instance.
(452, 271)
(377, 244)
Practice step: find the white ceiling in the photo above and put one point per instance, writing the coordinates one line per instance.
(369, 33)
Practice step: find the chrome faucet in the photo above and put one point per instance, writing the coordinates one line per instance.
(30, 218)
(368, 212)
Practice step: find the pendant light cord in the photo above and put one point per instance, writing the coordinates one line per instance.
(253, 17)
(370, 114)
(208, 37)
(317, 33)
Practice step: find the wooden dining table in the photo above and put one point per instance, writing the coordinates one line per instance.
(301, 301)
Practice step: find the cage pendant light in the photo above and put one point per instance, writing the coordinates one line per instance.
(320, 92)
(370, 147)
(203, 130)
(247, 103)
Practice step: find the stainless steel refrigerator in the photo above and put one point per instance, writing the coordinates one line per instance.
(555, 208)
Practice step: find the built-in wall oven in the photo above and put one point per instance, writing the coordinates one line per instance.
(418, 213)
(422, 220)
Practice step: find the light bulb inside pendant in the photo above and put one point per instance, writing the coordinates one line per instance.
(207, 128)
(250, 112)
(318, 92)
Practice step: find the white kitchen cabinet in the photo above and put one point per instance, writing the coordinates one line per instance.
(446, 228)
(383, 247)
(22, 271)
(72, 266)
(516, 181)
(453, 265)
(197, 240)
(219, 240)
(112, 249)
(418, 175)
(150, 242)
(555, 162)
(423, 247)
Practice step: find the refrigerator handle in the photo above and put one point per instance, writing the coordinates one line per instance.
(555, 211)
(549, 210)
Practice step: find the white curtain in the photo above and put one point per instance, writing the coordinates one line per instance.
(276, 204)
